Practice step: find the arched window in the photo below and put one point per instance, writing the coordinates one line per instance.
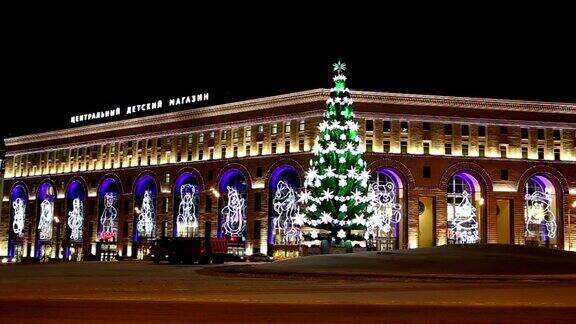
(186, 206)
(540, 207)
(464, 196)
(18, 203)
(386, 207)
(45, 225)
(283, 206)
(233, 202)
(109, 213)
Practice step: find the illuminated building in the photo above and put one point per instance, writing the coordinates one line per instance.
(463, 170)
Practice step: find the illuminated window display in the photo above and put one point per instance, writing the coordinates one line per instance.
(462, 213)
(186, 215)
(540, 212)
(233, 202)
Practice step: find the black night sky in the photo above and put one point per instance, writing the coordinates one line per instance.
(56, 72)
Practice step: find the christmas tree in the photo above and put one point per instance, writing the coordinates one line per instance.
(336, 184)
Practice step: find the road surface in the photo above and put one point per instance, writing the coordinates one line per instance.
(143, 292)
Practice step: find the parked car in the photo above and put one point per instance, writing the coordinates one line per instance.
(260, 257)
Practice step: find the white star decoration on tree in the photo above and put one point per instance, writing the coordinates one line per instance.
(339, 67)
(326, 218)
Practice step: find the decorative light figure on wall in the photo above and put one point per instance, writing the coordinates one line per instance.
(234, 214)
(187, 218)
(145, 223)
(462, 224)
(108, 217)
(286, 209)
(385, 211)
(538, 212)
(46, 218)
(76, 219)
(19, 215)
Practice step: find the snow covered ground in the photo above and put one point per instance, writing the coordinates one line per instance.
(445, 260)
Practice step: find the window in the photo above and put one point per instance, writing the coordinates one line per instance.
(426, 171)
(426, 126)
(125, 230)
(540, 134)
(481, 151)
(369, 125)
(556, 134)
(386, 146)
(260, 128)
(273, 148)
(504, 174)
(258, 201)
(503, 130)
(524, 152)
(235, 151)
(179, 142)
(201, 138)
(404, 147)
(368, 145)
(178, 157)
(426, 148)
(210, 174)
(235, 134)
(259, 172)
(260, 148)
(503, 151)
(223, 152)
(167, 178)
(447, 129)
(302, 126)
(404, 127)
(224, 135)
(524, 133)
(190, 139)
(257, 229)
(208, 207)
(540, 153)
(287, 127)
(557, 154)
(482, 131)
(164, 228)
(212, 134)
(287, 147)
(387, 126)
(301, 145)
(166, 205)
(448, 148)
(247, 150)
(200, 155)
(248, 132)
(274, 128)
(464, 149)
(465, 130)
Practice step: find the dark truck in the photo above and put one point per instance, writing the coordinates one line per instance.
(189, 250)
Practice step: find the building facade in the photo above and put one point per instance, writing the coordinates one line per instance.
(460, 170)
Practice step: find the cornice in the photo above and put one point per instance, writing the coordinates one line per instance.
(316, 95)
